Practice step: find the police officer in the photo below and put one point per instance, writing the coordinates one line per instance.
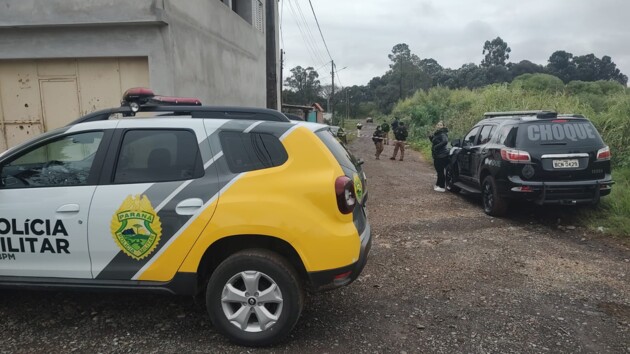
(377, 138)
(400, 133)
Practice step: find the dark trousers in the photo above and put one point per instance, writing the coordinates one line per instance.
(440, 164)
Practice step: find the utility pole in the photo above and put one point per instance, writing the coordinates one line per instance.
(272, 71)
(332, 95)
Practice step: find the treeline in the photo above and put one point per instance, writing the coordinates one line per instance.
(605, 103)
(409, 73)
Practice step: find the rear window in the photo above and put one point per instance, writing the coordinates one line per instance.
(564, 133)
(252, 151)
(341, 154)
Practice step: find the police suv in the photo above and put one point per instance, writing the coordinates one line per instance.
(237, 205)
(538, 156)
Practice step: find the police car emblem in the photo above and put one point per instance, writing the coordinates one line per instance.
(136, 228)
(358, 187)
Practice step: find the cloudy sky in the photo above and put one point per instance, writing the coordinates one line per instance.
(361, 33)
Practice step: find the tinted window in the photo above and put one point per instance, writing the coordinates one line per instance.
(252, 151)
(341, 154)
(470, 137)
(158, 156)
(486, 134)
(558, 132)
(66, 161)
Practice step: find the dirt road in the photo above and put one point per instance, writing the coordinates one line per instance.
(442, 277)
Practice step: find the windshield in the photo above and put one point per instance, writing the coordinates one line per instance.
(559, 132)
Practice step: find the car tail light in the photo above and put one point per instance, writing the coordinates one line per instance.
(346, 197)
(515, 155)
(559, 121)
(603, 154)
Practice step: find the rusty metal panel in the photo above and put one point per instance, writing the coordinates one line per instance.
(57, 68)
(99, 83)
(19, 88)
(20, 132)
(60, 102)
(134, 72)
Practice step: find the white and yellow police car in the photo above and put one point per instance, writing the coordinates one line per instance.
(238, 205)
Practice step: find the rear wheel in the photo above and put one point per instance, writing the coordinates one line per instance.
(493, 204)
(451, 179)
(254, 298)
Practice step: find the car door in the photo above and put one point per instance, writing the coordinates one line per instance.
(464, 158)
(159, 176)
(45, 197)
(478, 151)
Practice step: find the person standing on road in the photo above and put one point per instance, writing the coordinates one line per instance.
(395, 124)
(378, 138)
(400, 134)
(439, 151)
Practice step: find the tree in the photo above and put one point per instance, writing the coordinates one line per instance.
(524, 67)
(304, 82)
(496, 53)
(561, 64)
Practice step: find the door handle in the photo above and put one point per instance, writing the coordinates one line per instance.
(189, 206)
(68, 210)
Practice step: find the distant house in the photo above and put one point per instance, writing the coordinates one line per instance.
(60, 59)
(312, 113)
(317, 114)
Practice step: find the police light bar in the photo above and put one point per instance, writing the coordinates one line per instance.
(139, 96)
(175, 101)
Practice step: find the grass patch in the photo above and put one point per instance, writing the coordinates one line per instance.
(613, 214)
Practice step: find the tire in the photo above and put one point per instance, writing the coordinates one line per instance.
(270, 313)
(493, 204)
(449, 175)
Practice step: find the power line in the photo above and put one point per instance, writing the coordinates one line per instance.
(308, 43)
(309, 32)
(320, 29)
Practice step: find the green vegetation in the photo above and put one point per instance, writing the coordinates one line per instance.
(606, 104)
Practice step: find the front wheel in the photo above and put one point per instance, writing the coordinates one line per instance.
(493, 204)
(451, 179)
(255, 298)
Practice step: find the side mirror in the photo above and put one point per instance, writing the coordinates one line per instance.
(456, 143)
(360, 162)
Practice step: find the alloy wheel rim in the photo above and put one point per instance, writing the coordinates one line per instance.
(252, 301)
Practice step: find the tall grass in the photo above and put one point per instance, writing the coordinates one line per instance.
(606, 104)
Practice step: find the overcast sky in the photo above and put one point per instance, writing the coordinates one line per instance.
(361, 33)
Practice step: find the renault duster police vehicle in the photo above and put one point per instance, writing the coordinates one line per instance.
(238, 205)
(538, 156)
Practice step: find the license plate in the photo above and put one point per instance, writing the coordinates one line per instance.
(566, 164)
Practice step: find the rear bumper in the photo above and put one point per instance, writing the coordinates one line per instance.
(335, 278)
(559, 192)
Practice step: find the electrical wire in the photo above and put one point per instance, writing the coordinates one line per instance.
(320, 29)
(309, 32)
(307, 42)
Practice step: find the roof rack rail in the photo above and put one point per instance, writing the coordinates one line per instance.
(143, 100)
(538, 114)
(568, 115)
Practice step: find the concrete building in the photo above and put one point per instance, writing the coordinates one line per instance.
(60, 59)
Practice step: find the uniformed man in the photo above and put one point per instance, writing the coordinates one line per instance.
(400, 134)
(377, 138)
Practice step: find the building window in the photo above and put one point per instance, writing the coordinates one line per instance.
(259, 15)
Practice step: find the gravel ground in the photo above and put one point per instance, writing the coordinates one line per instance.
(442, 277)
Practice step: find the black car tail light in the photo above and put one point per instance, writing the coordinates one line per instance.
(604, 154)
(513, 155)
(346, 196)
